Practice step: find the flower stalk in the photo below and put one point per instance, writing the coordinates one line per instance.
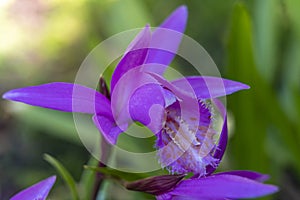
(105, 146)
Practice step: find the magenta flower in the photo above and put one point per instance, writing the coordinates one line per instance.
(38, 191)
(178, 112)
(136, 79)
(200, 156)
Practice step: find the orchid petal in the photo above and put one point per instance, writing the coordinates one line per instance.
(131, 102)
(222, 143)
(62, 96)
(38, 191)
(247, 174)
(207, 87)
(165, 196)
(134, 56)
(186, 91)
(123, 92)
(108, 128)
(166, 39)
(223, 186)
(147, 105)
(189, 104)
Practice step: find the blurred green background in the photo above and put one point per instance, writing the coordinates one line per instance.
(255, 42)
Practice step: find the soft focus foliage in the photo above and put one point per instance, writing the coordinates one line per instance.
(255, 42)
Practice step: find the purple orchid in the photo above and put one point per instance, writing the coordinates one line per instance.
(201, 157)
(178, 112)
(38, 191)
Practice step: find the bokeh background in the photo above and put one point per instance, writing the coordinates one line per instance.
(256, 42)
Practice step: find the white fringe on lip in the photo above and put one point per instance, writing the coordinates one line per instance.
(184, 148)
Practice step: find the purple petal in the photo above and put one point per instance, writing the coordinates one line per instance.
(61, 96)
(247, 174)
(186, 91)
(222, 144)
(189, 104)
(176, 20)
(38, 191)
(142, 100)
(124, 90)
(170, 197)
(147, 105)
(135, 55)
(223, 186)
(166, 39)
(207, 87)
(164, 197)
(108, 128)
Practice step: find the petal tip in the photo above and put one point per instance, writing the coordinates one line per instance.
(182, 8)
(5, 95)
(8, 95)
(52, 179)
(181, 11)
(247, 87)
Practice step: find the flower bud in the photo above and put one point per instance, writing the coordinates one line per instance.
(155, 185)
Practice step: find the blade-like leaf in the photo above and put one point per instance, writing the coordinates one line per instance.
(258, 108)
(250, 131)
(64, 174)
(115, 173)
(266, 26)
(88, 179)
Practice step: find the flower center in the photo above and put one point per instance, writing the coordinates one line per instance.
(186, 145)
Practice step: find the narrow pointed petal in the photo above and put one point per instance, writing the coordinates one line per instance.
(38, 191)
(61, 96)
(176, 20)
(223, 186)
(108, 128)
(134, 56)
(166, 39)
(247, 174)
(207, 87)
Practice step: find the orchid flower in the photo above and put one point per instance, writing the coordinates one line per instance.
(201, 157)
(178, 112)
(38, 191)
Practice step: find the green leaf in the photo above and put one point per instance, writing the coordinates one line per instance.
(115, 174)
(257, 109)
(88, 179)
(291, 59)
(266, 24)
(250, 132)
(64, 174)
(119, 175)
(117, 19)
